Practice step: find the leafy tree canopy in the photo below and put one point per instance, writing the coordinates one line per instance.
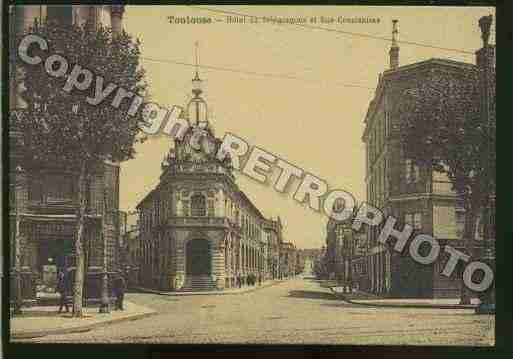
(61, 126)
(442, 125)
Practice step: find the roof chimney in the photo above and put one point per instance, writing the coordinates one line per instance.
(394, 49)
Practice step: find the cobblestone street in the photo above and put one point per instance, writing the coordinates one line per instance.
(298, 311)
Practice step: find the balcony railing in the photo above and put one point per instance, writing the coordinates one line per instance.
(199, 221)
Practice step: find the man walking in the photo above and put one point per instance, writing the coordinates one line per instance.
(119, 291)
(62, 289)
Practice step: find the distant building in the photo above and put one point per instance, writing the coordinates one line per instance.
(288, 259)
(300, 262)
(273, 232)
(420, 197)
(132, 250)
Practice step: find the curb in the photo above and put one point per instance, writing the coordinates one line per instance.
(405, 305)
(221, 292)
(81, 329)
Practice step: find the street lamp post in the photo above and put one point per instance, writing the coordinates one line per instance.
(18, 301)
(104, 305)
(487, 305)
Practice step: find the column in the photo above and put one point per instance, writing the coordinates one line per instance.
(218, 265)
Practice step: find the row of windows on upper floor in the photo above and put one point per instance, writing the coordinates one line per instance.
(71, 14)
(199, 206)
(58, 189)
(415, 220)
(379, 184)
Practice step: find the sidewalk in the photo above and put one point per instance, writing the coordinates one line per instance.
(231, 291)
(362, 298)
(41, 321)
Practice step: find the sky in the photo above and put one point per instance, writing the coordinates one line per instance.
(315, 122)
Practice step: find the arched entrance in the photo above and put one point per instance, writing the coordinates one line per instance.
(198, 259)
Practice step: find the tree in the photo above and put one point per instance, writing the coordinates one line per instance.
(442, 127)
(61, 127)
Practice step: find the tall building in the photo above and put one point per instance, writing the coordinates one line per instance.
(417, 196)
(43, 197)
(197, 229)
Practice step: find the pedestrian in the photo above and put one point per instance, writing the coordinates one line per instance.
(119, 291)
(62, 289)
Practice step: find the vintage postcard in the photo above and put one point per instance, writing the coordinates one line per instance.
(209, 174)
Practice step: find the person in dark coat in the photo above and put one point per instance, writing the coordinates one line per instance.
(63, 289)
(119, 291)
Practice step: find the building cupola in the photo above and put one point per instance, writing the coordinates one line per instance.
(197, 110)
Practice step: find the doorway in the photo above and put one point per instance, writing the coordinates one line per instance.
(198, 258)
(52, 256)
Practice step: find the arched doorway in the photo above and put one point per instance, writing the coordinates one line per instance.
(198, 260)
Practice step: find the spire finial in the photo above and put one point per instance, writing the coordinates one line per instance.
(196, 81)
(196, 50)
(394, 49)
(394, 33)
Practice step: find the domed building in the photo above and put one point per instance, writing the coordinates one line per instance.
(198, 230)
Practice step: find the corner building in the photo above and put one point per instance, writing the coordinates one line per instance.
(197, 229)
(420, 197)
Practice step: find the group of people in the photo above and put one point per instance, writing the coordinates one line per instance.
(249, 279)
(65, 290)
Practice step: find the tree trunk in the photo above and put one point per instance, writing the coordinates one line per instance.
(79, 243)
(469, 233)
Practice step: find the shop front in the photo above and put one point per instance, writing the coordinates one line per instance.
(47, 246)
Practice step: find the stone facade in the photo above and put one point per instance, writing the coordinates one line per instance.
(197, 230)
(418, 196)
(43, 215)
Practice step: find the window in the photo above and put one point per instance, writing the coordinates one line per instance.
(387, 124)
(460, 223)
(185, 208)
(211, 210)
(413, 219)
(198, 206)
(480, 227)
(58, 188)
(412, 172)
(156, 211)
(417, 221)
(35, 190)
(12, 197)
(62, 14)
